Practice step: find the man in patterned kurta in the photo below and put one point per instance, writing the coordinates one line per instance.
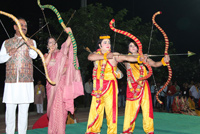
(19, 88)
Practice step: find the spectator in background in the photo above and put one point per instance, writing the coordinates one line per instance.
(199, 96)
(171, 90)
(122, 94)
(194, 93)
(153, 88)
(88, 91)
(157, 87)
(181, 105)
(185, 90)
(39, 95)
(163, 97)
(191, 84)
(177, 89)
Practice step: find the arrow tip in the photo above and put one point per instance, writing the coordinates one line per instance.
(190, 53)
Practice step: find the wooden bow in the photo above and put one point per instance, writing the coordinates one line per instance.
(64, 27)
(32, 47)
(139, 46)
(165, 53)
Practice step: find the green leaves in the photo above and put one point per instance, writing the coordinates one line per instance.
(91, 22)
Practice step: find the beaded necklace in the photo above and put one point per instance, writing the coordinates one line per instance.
(136, 92)
(98, 92)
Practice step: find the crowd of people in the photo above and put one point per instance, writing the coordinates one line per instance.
(189, 92)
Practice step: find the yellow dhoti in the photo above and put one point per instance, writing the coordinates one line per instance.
(134, 101)
(108, 101)
(132, 109)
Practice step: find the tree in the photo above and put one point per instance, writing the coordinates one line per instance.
(89, 23)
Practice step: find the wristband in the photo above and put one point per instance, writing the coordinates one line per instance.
(105, 56)
(138, 59)
(163, 62)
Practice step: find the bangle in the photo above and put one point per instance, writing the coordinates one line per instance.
(138, 59)
(105, 56)
(163, 62)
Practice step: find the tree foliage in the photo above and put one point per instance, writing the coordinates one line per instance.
(91, 22)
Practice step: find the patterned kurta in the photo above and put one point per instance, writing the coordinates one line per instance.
(19, 67)
(19, 86)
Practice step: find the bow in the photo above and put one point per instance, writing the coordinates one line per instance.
(32, 47)
(139, 46)
(165, 53)
(64, 27)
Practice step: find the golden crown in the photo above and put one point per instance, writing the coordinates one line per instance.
(104, 37)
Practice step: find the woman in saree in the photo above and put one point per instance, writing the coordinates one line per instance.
(181, 105)
(68, 83)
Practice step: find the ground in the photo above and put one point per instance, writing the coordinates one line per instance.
(81, 115)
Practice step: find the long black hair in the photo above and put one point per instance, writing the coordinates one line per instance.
(131, 41)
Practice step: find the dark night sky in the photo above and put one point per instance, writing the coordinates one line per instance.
(180, 18)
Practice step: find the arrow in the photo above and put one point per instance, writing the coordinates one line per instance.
(188, 54)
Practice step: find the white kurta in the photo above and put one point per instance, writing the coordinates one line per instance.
(195, 93)
(19, 92)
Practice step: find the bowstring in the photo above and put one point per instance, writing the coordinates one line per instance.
(114, 47)
(32, 35)
(150, 39)
(46, 22)
(4, 29)
(66, 24)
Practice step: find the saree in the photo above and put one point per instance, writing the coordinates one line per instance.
(68, 86)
